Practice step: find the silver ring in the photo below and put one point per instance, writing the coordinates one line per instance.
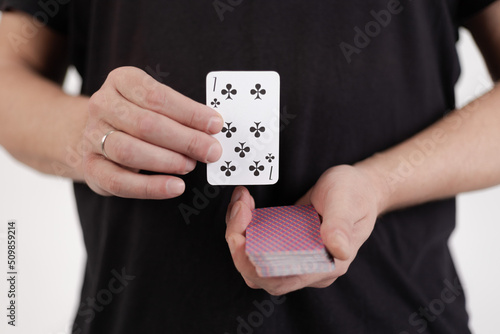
(103, 141)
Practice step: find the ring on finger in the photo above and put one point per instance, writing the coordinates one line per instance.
(103, 141)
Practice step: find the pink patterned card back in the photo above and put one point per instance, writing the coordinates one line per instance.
(284, 229)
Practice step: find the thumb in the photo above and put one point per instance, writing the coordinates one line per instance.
(334, 230)
(337, 226)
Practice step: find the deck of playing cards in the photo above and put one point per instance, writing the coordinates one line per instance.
(249, 104)
(283, 241)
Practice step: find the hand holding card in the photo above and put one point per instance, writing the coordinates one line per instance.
(239, 216)
(249, 104)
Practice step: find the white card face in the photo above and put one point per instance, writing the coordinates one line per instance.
(249, 104)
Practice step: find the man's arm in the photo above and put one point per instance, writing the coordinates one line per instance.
(457, 154)
(39, 124)
(147, 125)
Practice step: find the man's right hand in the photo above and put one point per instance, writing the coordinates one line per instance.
(155, 129)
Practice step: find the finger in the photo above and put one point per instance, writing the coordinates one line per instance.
(136, 154)
(107, 178)
(239, 218)
(323, 283)
(141, 89)
(337, 225)
(237, 192)
(240, 193)
(162, 131)
(251, 284)
(236, 244)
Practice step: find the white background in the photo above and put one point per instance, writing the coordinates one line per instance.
(51, 253)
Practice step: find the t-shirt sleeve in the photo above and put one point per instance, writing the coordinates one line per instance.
(51, 13)
(467, 8)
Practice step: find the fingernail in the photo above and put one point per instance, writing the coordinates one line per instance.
(236, 196)
(215, 124)
(234, 210)
(175, 187)
(214, 152)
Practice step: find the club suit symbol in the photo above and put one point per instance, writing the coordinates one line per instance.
(229, 91)
(258, 91)
(256, 169)
(257, 129)
(228, 169)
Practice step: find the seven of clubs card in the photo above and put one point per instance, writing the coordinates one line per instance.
(249, 105)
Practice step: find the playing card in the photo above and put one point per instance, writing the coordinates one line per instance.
(249, 105)
(284, 229)
(282, 241)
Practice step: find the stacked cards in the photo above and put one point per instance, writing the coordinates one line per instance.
(249, 105)
(283, 241)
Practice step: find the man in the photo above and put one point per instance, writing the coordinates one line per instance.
(357, 79)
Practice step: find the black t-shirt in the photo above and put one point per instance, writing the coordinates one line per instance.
(357, 77)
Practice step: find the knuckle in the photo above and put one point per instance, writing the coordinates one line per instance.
(195, 118)
(115, 72)
(90, 165)
(91, 171)
(120, 109)
(342, 271)
(92, 175)
(192, 119)
(149, 190)
(96, 102)
(325, 284)
(87, 167)
(279, 289)
(94, 132)
(124, 153)
(250, 284)
(119, 73)
(276, 291)
(155, 97)
(145, 125)
(87, 133)
(193, 145)
(114, 185)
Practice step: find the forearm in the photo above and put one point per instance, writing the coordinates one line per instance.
(40, 125)
(458, 153)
